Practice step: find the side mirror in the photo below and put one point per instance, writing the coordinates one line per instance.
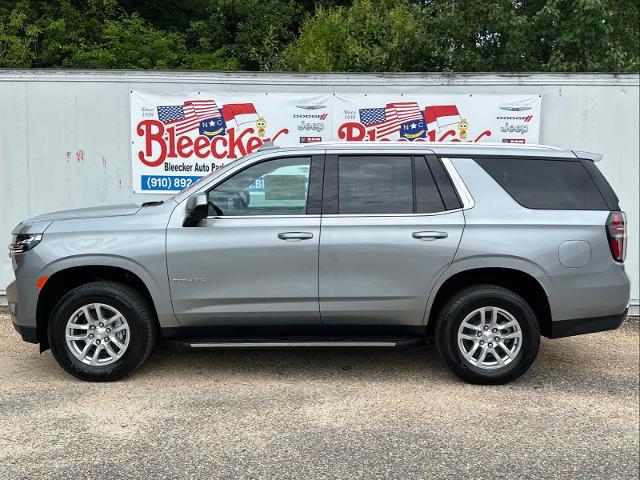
(197, 209)
(198, 203)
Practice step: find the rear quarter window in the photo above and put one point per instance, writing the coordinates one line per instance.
(545, 184)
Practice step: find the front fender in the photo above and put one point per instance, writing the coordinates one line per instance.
(159, 290)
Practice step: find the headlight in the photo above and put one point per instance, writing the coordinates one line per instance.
(23, 242)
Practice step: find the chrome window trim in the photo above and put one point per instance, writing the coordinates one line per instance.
(360, 215)
(223, 217)
(337, 215)
(467, 200)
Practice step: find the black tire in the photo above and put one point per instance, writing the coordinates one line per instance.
(133, 306)
(464, 302)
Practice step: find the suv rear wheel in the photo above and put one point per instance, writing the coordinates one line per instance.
(102, 331)
(487, 334)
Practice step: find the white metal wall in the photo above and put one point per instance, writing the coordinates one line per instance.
(64, 135)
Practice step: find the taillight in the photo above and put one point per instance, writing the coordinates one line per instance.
(617, 235)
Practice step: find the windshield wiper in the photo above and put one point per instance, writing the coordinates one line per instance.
(152, 204)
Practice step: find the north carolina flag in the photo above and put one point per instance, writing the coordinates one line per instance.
(240, 113)
(440, 116)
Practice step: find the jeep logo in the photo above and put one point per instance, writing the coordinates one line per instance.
(511, 128)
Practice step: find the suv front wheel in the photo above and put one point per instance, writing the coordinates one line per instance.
(102, 331)
(487, 334)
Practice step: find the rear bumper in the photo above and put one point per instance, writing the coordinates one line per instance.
(568, 328)
(588, 296)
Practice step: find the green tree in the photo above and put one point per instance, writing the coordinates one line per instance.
(535, 35)
(375, 36)
(51, 32)
(255, 31)
(17, 40)
(323, 35)
(588, 35)
(131, 43)
(459, 35)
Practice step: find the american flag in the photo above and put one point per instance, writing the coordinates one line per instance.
(387, 120)
(372, 116)
(187, 116)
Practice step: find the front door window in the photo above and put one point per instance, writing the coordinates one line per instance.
(274, 187)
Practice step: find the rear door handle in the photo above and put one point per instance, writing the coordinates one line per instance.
(429, 235)
(295, 236)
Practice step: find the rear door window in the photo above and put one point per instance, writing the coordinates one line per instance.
(545, 184)
(375, 185)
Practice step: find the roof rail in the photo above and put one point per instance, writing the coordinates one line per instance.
(434, 144)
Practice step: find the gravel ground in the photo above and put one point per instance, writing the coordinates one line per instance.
(323, 414)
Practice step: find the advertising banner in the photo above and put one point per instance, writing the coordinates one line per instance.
(437, 118)
(177, 139)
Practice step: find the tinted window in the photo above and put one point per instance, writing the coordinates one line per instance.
(375, 185)
(448, 193)
(603, 185)
(545, 184)
(275, 187)
(428, 199)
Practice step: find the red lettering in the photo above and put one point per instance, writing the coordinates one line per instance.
(351, 132)
(449, 133)
(184, 146)
(486, 133)
(214, 143)
(162, 143)
(283, 131)
(254, 144)
(201, 147)
(172, 142)
(152, 131)
(237, 142)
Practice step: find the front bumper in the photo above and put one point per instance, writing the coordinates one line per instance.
(28, 333)
(579, 326)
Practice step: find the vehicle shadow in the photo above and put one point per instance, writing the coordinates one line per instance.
(300, 363)
(563, 364)
(566, 364)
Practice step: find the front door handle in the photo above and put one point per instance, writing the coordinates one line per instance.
(295, 236)
(429, 235)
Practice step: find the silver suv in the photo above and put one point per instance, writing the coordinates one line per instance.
(481, 248)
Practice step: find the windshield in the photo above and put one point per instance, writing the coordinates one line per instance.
(182, 194)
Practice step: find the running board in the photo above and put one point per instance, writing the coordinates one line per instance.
(383, 342)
